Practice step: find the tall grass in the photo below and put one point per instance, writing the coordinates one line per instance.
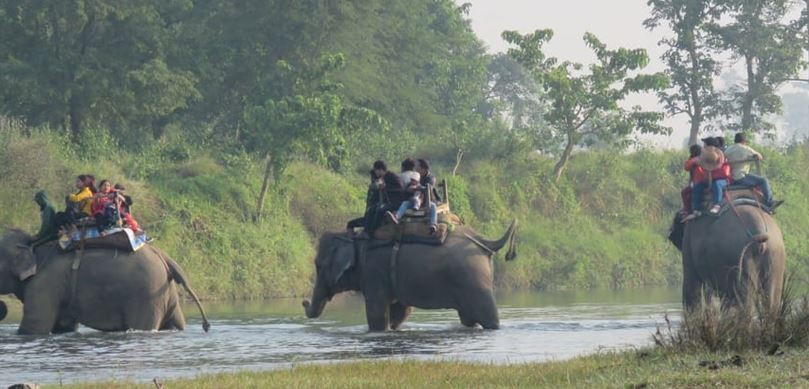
(717, 325)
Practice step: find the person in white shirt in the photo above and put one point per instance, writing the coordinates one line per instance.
(740, 156)
(411, 179)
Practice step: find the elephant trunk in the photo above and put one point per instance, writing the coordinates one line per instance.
(3, 310)
(315, 308)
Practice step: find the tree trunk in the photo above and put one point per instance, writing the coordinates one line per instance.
(75, 118)
(458, 158)
(694, 134)
(696, 99)
(747, 103)
(560, 166)
(265, 185)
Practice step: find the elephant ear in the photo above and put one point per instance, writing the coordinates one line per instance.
(25, 265)
(343, 257)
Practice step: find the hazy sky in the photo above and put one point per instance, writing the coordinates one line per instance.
(617, 23)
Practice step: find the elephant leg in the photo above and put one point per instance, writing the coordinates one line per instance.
(692, 286)
(175, 320)
(466, 320)
(479, 307)
(40, 313)
(377, 312)
(65, 325)
(398, 314)
(142, 317)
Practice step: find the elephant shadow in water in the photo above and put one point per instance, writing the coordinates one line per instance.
(455, 275)
(733, 255)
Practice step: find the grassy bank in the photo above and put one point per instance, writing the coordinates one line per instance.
(609, 370)
(603, 225)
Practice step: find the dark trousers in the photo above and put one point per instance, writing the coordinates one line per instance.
(686, 196)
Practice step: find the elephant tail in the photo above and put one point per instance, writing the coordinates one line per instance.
(508, 239)
(178, 275)
(760, 243)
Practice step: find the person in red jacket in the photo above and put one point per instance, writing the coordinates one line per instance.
(693, 168)
(712, 162)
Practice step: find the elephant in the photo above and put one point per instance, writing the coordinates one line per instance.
(738, 252)
(110, 290)
(457, 274)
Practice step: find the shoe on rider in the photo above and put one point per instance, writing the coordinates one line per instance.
(392, 217)
(691, 216)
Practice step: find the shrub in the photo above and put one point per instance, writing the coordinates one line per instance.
(717, 325)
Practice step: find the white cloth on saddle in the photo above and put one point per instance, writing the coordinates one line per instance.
(68, 241)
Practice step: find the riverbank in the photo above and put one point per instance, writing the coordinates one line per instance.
(631, 369)
(603, 225)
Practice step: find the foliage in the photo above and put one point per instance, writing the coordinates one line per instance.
(772, 48)
(311, 123)
(715, 326)
(689, 58)
(584, 106)
(90, 62)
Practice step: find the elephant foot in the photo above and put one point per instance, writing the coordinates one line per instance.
(466, 320)
(398, 314)
(3, 310)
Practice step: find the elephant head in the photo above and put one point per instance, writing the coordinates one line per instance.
(337, 271)
(17, 261)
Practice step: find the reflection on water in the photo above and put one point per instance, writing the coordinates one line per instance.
(274, 333)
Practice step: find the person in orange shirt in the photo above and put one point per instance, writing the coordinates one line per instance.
(712, 163)
(693, 169)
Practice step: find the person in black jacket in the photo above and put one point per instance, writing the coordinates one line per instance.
(372, 200)
(427, 178)
(377, 200)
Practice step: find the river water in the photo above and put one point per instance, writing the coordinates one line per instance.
(275, 334)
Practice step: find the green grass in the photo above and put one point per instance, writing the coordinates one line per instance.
(649, 368)
(603, 225)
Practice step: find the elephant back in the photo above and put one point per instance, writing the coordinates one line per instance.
(120, 238)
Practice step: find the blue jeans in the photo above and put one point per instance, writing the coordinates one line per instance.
(717, 192)
(752, 181)
(409, 204)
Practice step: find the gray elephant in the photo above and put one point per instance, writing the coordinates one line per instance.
(740, 251)
(111, 290)
(456, 275)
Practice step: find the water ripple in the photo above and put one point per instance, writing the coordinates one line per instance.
(275, 336)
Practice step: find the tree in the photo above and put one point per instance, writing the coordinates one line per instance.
(312, 122)
(584, 105)
(757, 33)
(75, 63)
(516, 97)
(689, 59)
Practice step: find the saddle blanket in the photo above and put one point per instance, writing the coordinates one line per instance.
(120, 238)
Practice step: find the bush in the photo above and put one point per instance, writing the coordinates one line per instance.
(717, 325)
